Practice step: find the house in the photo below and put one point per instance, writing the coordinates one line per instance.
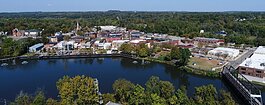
(56, 38)
(255, 65)
(18, 33)
(32, 33)
(36, 47)
(224, 52)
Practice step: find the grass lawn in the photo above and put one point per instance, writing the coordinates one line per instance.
(203, 63)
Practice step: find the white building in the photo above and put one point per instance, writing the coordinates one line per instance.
(221, 51)
(65, 45)
(137, 41)
(32, 33)
(254, 67)
(117, 43)
(102, 45)
(256, 60)
(111, 28)
(36, 47)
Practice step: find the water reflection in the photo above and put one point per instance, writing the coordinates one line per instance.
(128, 63)
(44, 74)
(176, 74)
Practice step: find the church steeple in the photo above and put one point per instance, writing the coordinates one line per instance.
(78, 27)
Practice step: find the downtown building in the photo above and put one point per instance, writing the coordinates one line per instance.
(255, 65)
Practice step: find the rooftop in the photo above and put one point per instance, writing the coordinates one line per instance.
(257, 60)
(36, 46)
(260, 50)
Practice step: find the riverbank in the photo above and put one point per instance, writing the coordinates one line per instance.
(213, 74)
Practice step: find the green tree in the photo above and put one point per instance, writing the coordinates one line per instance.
(157, 100)
(167, 89)
(226, 98)
(77, 90)
(51, 101)
(182, 97)
(39, 99)
(153, 85)
(108, 97)
(22, 99)
(122, 89)
(127, 48)
(137, 96)
(206, 95)
(183, 57)
(175, 53)
(142, 50)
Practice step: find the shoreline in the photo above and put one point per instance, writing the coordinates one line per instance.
(211, 74)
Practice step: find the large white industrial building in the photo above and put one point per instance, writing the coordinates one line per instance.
(221, 51)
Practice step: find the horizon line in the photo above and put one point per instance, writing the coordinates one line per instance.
(130, 11)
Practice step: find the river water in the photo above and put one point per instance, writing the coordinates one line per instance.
(43, 74)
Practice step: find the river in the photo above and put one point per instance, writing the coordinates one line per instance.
(43, 74)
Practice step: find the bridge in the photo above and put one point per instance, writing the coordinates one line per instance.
(248, 91)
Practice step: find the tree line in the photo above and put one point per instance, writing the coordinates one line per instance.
(11, 48)
(181, 56)
(250, 31)
(81, 90)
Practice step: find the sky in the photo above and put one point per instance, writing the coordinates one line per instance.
(131, 5)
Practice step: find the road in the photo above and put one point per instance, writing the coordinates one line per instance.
(239, 60)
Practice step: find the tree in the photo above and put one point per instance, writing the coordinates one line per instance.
(181, 96)
(77, 90)
(51, 101)
(175, 53)
(122, 89)
(127, 48)
(153, 85)
(142, 50)
(80, 90)
(206, 95)
(183, 57)
(108, 97)
(137, 97)
(226, 98)
(167, 89)
(39, 99)
(22, 99)
(157, 100)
